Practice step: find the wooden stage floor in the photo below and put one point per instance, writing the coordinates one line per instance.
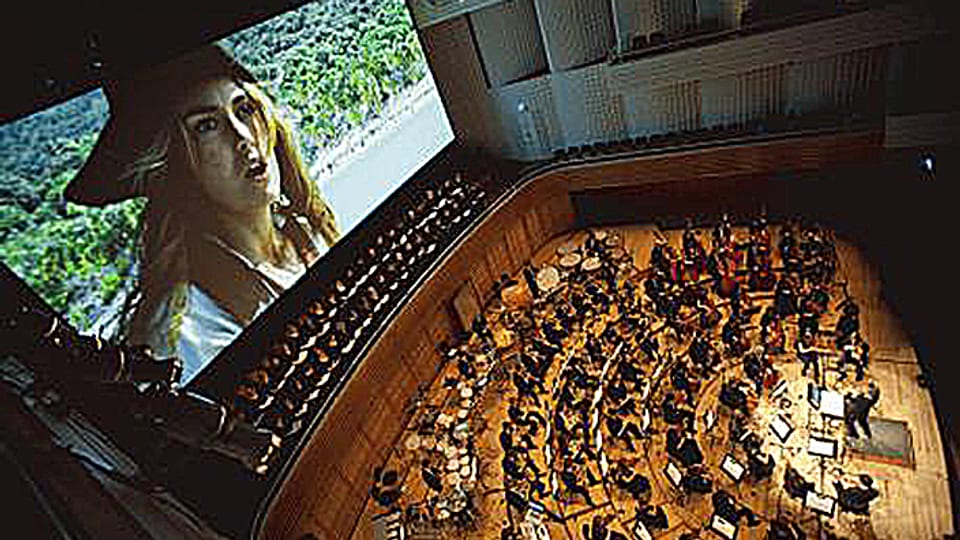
(914, 501)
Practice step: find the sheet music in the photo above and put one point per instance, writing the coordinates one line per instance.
(781, 428)
(822, 447)
(823, 504)
(723, 527)
(640, 532)
(732, 467)
(673, 474)
(831, 403)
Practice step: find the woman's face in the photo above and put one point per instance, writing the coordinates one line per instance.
(232, 161)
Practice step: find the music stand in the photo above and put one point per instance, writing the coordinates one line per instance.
(831, 404)
(781, 427)
(813, 395)
(640, 532)
(824, 505)
(673, 474)
(822, 447)
(733, 468)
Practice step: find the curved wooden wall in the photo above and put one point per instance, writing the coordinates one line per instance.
(327, 488)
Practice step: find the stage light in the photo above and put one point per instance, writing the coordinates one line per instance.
(927, 164)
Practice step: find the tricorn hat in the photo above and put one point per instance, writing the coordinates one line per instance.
(140, 104)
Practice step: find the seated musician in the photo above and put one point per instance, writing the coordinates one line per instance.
(754, 369)
(675, 414)
(856, 500)
(733, 396)
(761, 465)
(653, 517)
(658, 255)
(696, 480)
(785, 529)
(727, 507)
(795, 484)
(634, 483)
(788, 250)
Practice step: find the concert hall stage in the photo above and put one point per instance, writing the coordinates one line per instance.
(905, 458)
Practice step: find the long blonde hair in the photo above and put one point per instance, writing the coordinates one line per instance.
(156, 306)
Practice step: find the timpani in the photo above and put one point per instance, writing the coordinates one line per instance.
(548, 278)
(413, 442)
(570, 261)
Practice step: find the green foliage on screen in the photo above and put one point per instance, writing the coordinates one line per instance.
(329, 65)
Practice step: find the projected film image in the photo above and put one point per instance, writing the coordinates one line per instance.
(173, 206)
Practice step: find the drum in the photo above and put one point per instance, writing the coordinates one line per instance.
(570, 260)
(412, 442)
(566, 249)
(591, 264)
(612, 241)
(548, 278)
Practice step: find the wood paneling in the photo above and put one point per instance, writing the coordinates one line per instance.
(509, 41)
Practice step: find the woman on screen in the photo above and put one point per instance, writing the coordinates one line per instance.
(232, 218)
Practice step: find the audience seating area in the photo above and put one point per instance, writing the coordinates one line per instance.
(302, 367)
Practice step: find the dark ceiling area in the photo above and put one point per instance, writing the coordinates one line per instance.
(55, 52)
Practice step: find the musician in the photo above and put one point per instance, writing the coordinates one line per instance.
(733, 396)
(674, 414)
(572, 483)
(721, 232)
(807, 353)
(658, 256)
(727, 507)
(754, 369)
(701, 352)
(856, 500)
(732, 336)
(848, 324)
(857, 410)
(696, 480)
(623, 430)
(627, 479)
(531, 279)
(771, 330)
(761, 465)
(653, 517)
(431, 476)
(795, 484)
